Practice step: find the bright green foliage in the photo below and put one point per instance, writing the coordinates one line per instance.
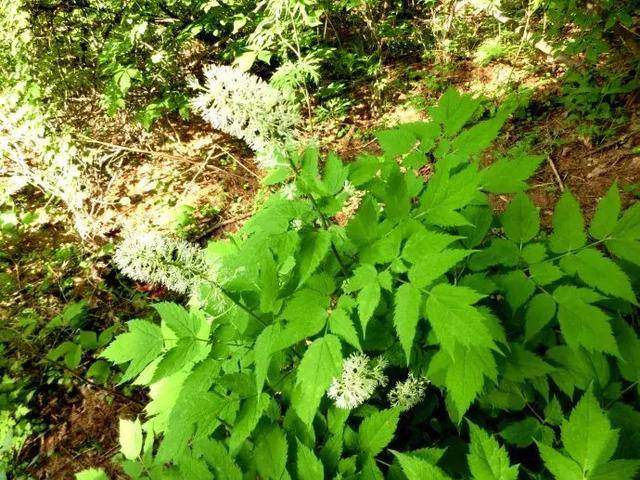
(487, 460)
(376, 431)
(416, 468)
(406, 315)
(508, 323)
(320, 364)
(589, 442)
(139, 347)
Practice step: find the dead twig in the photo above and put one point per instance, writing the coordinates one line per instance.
(556, 174)
(152, 153)
(614, 143)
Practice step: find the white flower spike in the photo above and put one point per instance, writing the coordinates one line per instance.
(154, 258)
(248, 108)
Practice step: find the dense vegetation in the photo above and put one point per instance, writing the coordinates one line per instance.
(283, 239)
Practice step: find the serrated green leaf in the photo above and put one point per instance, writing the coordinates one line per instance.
(568, 225)
(471, 142)
(500, 252)
(313, 249)
(587, 436)
(430, 267)
(446, 194)
(521, 220)
(465, 374)
(306, 315)
(248, 417)
(606, 216)
(186, 352)
(426, 242)
(178, 319)
(509, 175)
(453, 111)
(271, 453)
(219, 459)
(487, 459)
(578, 368)
(362, 228)
(524, 432)
(363, 275)
(416, 468)
(629, 343)
(453, 318)
(140, 345)
(320, 364)
(406, 315)
(307, 465)
(377, 430)
(602, 273)
(334, 174)
(340, 323)
(194, 413)
(396, 141)
(583, 324)
(265, 346)
(368, 299)
(616, 470)
(517, 287)
(525, 365)
(540, 311)
(561, 467)
(628, 227)
(544, 273)
(370, 470)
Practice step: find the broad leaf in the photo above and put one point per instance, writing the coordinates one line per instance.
(606, 216)
(320, 364)
(487, 459)
(141, 345)
(521, 221)
(271, 453)
(377, 430)
(568, 225)
(453, 318)
(406, 315)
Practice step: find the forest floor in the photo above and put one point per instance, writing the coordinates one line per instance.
(185, 164)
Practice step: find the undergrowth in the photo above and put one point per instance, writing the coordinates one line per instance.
(377, 319)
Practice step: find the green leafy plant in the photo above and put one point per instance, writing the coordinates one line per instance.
(393, 274)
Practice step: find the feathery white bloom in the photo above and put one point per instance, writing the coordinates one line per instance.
(154, 258)
(289, 191)
(245, 106)
(358, 381)
(296, 224)
(409, 393)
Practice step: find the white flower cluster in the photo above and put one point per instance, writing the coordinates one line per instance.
(245, 106)
(359, 379)
(29, 148)
(409, 393)
(154, 258)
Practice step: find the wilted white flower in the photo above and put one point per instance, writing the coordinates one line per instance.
(154, 258)
(289, 191)
(296, 224)
(358, 381)
(245, 106)
(409, 393)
